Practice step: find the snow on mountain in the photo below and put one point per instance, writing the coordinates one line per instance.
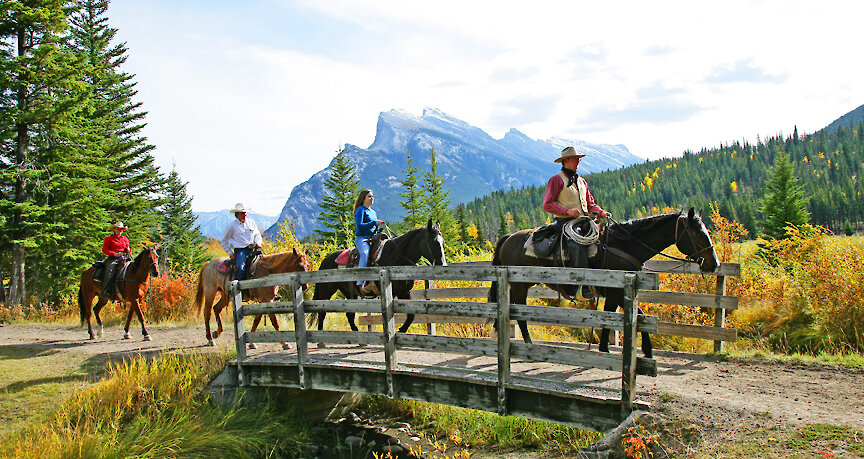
(213, 224)
(472, 162)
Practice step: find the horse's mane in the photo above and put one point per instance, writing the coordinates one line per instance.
(134, 265)
(275, 260)
(623, 230)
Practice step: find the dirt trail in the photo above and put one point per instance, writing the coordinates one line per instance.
(789, 392)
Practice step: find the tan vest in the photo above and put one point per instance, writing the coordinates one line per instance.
(574, 196)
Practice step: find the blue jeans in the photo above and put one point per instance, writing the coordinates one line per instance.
(363, 249)
(240, 257)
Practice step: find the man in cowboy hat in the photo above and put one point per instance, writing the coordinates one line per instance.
(116, 247)
(568, 197)
(241, 237)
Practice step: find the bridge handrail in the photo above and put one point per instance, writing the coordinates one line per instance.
(627, 320)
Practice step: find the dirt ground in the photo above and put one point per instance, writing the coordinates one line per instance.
(706, 391)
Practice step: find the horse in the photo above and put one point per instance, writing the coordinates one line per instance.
(627, 247)
(211, 281)
(405, 250)
(132, 286)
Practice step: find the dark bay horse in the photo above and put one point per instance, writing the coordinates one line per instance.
(131, 288)
(405, 250)
(628, 245)
(211, 281)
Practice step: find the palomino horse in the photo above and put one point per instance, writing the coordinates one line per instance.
(131, 287)
(628, 245)
(211, 280)
(405, 250)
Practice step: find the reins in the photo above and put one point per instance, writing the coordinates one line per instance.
(660, 252)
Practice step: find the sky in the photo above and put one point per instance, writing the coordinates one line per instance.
(247, 99)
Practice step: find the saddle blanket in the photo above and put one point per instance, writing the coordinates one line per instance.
(344, 257)
(529, 250)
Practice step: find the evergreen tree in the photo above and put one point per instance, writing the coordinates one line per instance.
(412, 197)
(436, 200)
(38, 98)
(337, 206)
(784, 203)
(461, 222)
(183, 248)
(113, 121)
(503, 227)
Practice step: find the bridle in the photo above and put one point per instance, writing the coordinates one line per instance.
(692, 258)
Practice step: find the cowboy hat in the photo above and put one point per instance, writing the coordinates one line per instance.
(239, 207)
(120, 225)
(568, 152)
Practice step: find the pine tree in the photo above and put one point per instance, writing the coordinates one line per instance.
(784, 203)
(462, 223)
(503, 227)
(412, 196)
(337, 206)
(436, 200)
(38, 98)
(182, 245)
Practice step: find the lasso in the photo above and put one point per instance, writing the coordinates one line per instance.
(591, 237)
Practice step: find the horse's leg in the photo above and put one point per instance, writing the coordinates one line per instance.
(136, 307)
(129, 320)
(208, 306)
(275, 323)
(647, 348)
(519, 295)
(96, 310)
(217, 311)
(255, 322)
(85, 303)
(614, 297)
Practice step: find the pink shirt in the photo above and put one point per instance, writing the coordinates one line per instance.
(553, 189)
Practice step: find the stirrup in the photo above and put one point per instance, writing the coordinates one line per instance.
(579, 296)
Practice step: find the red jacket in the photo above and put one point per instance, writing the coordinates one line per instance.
(115, 245)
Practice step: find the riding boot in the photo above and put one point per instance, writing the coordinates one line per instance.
(578, 255)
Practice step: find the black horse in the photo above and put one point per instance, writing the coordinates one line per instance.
(404, 250)
(627, 246)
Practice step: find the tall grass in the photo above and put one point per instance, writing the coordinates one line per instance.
(158, 408)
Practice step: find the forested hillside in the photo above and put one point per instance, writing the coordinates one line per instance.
(732, 176)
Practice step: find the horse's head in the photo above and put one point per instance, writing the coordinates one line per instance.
(152, 256)
(434, 247)
(693, 240)
(299, 263)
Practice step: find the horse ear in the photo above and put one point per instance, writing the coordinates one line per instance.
(429, 224)
(295, 251)
(437, 225)
(691, 213)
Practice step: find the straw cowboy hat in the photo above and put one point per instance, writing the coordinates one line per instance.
(239, 207)
(120, 225)
(568, 152)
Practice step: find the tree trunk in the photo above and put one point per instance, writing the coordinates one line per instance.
(16, 282)
(22, 143)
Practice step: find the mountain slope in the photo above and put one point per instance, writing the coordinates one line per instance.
(470, 160)
(213, 224)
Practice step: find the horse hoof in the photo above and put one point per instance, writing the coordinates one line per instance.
(127, 336)
(92, 337)
(210, 342)
(99, 334)
(147, 338)
(253, 346)
(216, 334)
(286, 346)
(321, 345)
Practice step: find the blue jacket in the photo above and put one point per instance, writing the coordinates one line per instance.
(366, 220)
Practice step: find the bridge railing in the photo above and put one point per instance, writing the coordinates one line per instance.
(501, 312)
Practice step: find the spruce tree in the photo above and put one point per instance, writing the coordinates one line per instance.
(412, 196)
(784, 203)
(436, 200)
(337, 206)
(38, 98)
(182, 244)
(462, 223)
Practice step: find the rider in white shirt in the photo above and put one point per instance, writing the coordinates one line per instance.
(241, 236)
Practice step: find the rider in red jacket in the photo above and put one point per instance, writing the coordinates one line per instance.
(116, 247)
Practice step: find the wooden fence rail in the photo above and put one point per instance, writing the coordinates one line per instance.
(510, 396)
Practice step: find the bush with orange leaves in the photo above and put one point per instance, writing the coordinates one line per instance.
(805, 293)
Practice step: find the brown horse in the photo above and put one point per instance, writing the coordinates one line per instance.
(626, 247)
(131, 287)
(211, 280)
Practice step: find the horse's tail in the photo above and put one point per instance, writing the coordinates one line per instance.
(496, 261)
(81, 302)
(199, 294)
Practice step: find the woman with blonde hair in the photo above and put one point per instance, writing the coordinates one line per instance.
(366, 223)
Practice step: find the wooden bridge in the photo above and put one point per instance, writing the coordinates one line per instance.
(567, 383)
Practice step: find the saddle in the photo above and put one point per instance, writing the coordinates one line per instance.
(119, 275)
(546, 243)
(227, 265)
(350, 258)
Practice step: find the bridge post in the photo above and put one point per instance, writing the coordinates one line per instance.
(630, 308)
(300, 329)
(503, 338)
(719, 312)
(388, 327)
(239, 332)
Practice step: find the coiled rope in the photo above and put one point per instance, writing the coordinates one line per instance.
(591, 237)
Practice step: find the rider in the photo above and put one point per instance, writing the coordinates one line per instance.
(242, 235)
(567, 197)
(116, 247)
(366, 222)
